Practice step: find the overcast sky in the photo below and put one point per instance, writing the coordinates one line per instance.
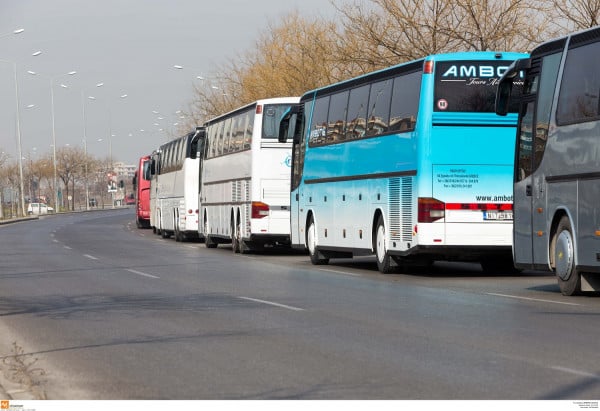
(129, 45)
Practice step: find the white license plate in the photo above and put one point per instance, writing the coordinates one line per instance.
(497, 215)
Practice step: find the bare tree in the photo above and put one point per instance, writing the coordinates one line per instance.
(290, 57)
(511, 25)
(572, 15)
(70, 169)
(381, 33)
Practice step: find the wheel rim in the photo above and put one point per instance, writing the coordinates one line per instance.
(563, 256)
(311, 238)
(381, 243)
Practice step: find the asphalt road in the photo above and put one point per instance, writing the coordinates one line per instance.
(98, 309)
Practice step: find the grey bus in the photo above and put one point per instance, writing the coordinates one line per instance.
(557, 163)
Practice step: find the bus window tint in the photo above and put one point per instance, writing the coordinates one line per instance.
(319, 121)
(578, 100)
(336, 121)
(379, 107)
(357, 112)
(249, 129)
(470, 86)
(271, 116)
(405, 102)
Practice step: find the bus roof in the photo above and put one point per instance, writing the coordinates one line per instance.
(276, 100)
(414, 65)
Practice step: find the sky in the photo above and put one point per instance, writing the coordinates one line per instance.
(129, 46)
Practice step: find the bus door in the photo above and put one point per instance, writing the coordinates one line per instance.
(292, 126)
(523, 187)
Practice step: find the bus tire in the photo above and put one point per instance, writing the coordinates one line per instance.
(244, 247)
(316, 257)
(384, 260)
(235, 237)
(569, 278)
(208, 241)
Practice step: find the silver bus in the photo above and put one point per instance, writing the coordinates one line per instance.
(557, 164)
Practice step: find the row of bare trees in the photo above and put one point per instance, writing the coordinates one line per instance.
(74, 168)
(299, 53)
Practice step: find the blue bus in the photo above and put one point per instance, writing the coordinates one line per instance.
(410, 163)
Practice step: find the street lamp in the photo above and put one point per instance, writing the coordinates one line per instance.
(17, 31)
(86, 183)
(19, 151)
(52, 78)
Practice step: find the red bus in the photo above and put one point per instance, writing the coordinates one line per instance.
(141, 186)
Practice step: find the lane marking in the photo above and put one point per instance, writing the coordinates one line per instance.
(576, 372)
(532, 299)
(338, 272)
(288, 307)
(91, 257)
(68, 248)
(141, 273)
(55, 240)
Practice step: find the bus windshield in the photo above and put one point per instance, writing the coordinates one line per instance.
(271, 117)
(470, 86)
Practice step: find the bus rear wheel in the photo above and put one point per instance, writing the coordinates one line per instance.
(569, 278)
(236, 237)
(384, 260)
(311, 240)
(208, 241)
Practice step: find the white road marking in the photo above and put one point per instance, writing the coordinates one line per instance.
(532, 299)
(91, 257)
(68, 248)
(577, 372)
(288, 307)
(55, 241)
(141, 273)
(339, 272)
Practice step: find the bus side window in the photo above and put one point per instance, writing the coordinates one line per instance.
(249, 129)
(357, 112)
(379, 107)
(405, 102)
(336, 121)
(319, 122)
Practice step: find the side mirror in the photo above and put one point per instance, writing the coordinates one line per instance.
(504, 91)
(289, 124)
(503, 97)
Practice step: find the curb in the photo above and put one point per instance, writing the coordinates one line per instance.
(17, 220)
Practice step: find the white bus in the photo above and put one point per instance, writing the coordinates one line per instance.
(245, 178)
(174, 187)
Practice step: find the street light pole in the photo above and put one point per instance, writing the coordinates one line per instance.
(85, 161)
(86, 183)
(52, 110)
(19, 149)
(20, 162)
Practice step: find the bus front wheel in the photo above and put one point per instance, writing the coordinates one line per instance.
(569, 278)
(384, 260)
(311, 240)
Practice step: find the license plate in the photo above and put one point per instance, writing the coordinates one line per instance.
(497, 215)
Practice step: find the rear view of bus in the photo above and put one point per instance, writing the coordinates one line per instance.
(245, 178)
(410, 163)
(466, 156)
